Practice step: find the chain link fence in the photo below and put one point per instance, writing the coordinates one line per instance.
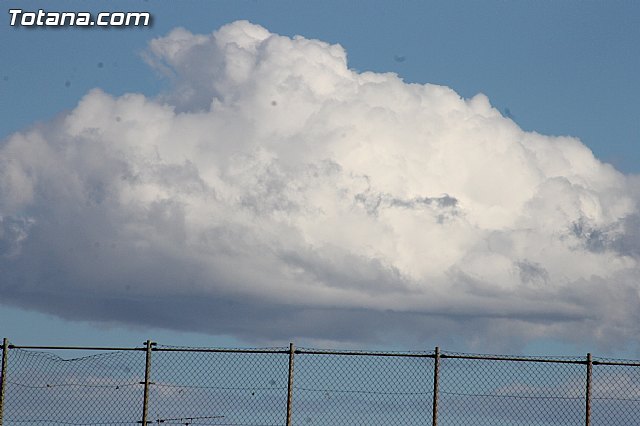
(286, 386)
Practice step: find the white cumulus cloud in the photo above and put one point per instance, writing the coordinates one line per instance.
(275, 193)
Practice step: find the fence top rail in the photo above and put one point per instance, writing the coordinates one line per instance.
(304, 351)
(444, 355)
(622, 363)
(554, 360)
(222, 350)
(312, 351)
(515, 359)
(154, 349)
(78, 348)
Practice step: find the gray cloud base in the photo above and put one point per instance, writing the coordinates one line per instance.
(274, 193)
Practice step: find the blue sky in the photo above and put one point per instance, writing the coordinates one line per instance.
(554, 68)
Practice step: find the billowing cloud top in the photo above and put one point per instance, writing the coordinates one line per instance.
(276, 193)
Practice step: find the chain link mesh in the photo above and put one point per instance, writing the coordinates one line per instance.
(353, 388)
(518, 392)
(196, 386)
(218, 388)
(615, 395)
(44, 389)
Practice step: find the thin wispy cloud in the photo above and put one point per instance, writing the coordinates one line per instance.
(273, 192)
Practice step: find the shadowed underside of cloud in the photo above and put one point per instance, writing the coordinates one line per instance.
(275, 193)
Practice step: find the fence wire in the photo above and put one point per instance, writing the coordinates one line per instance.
(615, 398)
(218, 388)
(208, 386)
(44, 389)
(352, 388)
(522, 392)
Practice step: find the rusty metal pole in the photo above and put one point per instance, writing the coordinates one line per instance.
(436, 378)
(3, 377)
(147, 381)
(290, 384)
(588, 392)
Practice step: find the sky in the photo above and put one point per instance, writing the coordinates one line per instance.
(346, 174)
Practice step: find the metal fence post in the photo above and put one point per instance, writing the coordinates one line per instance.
(588, 392)
(3, 377)
(436, 378)
(147, 378)
(290, 384)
